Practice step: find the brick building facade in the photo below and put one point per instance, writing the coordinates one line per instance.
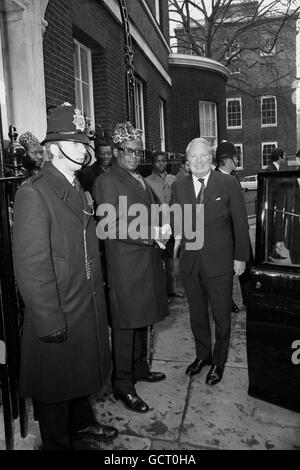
(73, 50)
(260, 112)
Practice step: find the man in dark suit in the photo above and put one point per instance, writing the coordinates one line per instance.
(277, 157)
(207, 270)
(104, 155)
(135, 276)
(65, 349)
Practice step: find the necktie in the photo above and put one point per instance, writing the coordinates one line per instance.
(200, 196)
(140, 179)
(76, 184)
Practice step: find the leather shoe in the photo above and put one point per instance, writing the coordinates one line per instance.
(132, 401)
(214, 375)
(97, 431)
(234, 307)
(153, 377)
(197, 365)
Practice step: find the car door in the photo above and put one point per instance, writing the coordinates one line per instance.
(273, 311)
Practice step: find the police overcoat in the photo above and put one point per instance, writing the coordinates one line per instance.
(58, 273)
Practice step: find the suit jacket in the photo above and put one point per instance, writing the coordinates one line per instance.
(136, 281)
(51, 273)
(225, 224)
(271, 167)
(161, 186)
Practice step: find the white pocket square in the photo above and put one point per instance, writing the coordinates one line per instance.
(218, 199)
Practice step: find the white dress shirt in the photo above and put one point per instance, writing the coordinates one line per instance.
(197, 184)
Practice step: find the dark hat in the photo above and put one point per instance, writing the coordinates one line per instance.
(224, 150)
(66, 123)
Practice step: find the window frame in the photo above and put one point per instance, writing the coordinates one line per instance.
(162, 132)
(157, 11)
(78, 45)
(241, 113)
(261, 111)
(275, 143)
(214, 146)
(241, 167)
(139, 108)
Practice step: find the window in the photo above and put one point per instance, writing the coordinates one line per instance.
(234, 113)
(266, 44)
(240, 156)
(266, 150)
(161, 105)
(268, 111)
(139, 108)
(208, 122)
(232, 48)
(84, 82)
(157, 11)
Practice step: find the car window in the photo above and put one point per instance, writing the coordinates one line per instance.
(282, 222)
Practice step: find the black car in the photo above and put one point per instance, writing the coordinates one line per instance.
(273, 311)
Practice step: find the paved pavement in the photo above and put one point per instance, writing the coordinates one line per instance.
(185, 413)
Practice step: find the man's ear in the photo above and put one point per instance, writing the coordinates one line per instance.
(54, 149)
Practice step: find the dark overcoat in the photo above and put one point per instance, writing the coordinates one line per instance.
(136, 279)
(51, 269)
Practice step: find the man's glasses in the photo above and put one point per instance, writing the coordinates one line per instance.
(128, 152)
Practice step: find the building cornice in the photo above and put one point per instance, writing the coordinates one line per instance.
(200, 62)
(113, 6)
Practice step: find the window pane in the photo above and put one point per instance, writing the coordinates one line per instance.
(234, 118)
(83, 81)
(84, 65)
(268, 110)
(86, 100)
(266, 156)
(78, 94)
(76, 61)
(282, 222)
(162, 125)
(207, 122)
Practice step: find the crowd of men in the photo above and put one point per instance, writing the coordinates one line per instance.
(72, 294)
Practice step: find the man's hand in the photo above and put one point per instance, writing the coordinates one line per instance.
(57, 337)
(162, 235)
(239, 267)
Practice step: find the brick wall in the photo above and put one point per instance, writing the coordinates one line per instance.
(155, 87)
(191, 85)
(93, 25)
(58, 53)
(252, 134)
